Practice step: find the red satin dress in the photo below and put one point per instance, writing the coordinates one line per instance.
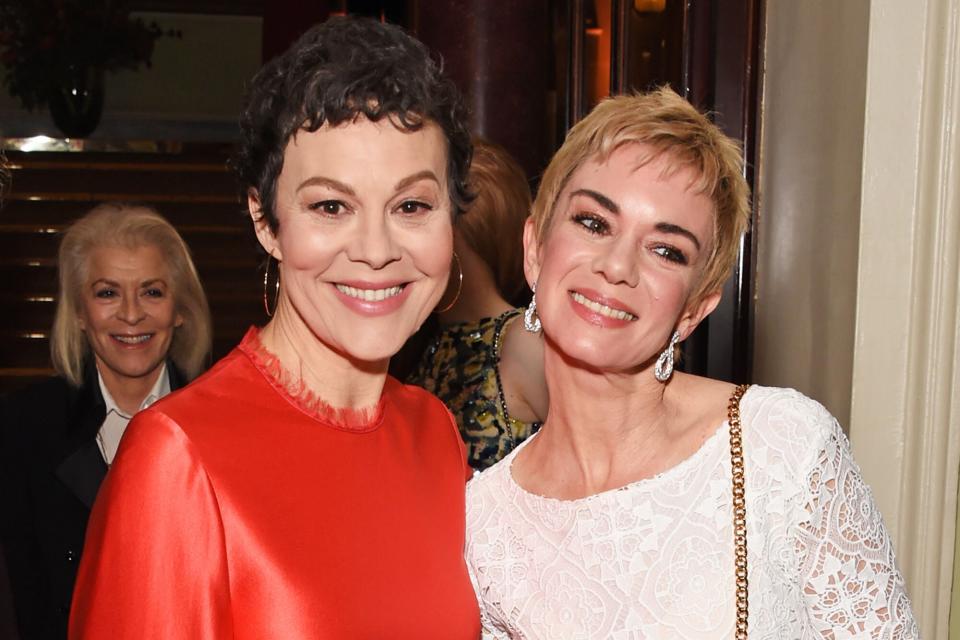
(237, 509)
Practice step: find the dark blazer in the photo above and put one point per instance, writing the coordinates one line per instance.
(50, 471)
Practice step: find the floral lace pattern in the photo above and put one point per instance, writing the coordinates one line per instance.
(654, 559)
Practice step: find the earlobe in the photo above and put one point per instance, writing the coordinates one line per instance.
(261, 227)
(695, 314)
(531, 250)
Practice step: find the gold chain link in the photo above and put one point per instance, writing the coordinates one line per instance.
(739, 510)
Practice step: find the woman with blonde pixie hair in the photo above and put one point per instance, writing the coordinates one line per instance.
(654, 503)
(131, 325)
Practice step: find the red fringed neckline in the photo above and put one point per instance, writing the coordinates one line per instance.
(296, 392)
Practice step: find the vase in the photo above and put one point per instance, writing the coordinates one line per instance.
(77, 102)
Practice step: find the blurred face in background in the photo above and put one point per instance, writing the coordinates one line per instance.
(127, 312)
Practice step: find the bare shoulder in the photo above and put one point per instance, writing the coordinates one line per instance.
(521, 372)
(699, 404)
(521, 348)
(698, 391)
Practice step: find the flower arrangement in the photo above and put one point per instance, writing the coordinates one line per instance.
(42, 41)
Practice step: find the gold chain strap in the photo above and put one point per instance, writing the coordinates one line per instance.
(739, 510)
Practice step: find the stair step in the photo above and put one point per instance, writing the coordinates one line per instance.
(58, 213)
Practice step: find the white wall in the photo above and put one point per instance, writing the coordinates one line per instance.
(192, 91)
(905, 410)
(858, 272)
(809, 196)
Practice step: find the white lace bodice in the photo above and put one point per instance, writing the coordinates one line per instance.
(654, 559)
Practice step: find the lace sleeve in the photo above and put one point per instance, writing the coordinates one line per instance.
(490, 630)
(847, 570)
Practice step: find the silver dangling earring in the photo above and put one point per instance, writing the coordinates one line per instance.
(664, 368)
(530, 320)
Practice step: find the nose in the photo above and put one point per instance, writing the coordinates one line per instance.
(618, 262)
(375, 243)
(131, 311)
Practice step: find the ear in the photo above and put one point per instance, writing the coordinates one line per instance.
(459, 244)
(531, 253)
(264, 234)
(178, 321)
(694, 314)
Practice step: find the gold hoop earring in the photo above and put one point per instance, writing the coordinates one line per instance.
(459, 286)
(276, 288)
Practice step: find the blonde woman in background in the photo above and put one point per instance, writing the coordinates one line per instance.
(486, 369)
(131, 325)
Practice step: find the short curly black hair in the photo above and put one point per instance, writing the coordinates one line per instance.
(337, 71)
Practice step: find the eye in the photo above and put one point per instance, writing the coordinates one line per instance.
(414, 206)
(329, 207)
(105, 294)
(671, 254)
(592, 223)
(154, 292)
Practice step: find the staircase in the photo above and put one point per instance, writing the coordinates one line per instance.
(188, 184)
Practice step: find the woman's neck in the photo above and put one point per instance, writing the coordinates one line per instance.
(603, 431)
(330, 375)
(128, 393)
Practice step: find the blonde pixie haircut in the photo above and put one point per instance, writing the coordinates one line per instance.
(671, 127)
(127, 226)
(493, 223)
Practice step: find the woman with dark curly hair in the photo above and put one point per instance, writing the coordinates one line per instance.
(296, 490)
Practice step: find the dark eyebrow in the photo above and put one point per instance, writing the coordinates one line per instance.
(426, 174)
(327, 182)
(153, 281)
(666, 227)
(611, 206)
(601, 199)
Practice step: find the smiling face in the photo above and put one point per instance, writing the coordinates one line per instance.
(623, 252)
(365, 234)
(127, 312)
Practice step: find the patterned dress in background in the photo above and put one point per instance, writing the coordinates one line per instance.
(461, 366)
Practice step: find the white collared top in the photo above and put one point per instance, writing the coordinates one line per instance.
(108, 438)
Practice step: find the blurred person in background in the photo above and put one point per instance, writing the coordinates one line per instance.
(486, 369)
(131, 325)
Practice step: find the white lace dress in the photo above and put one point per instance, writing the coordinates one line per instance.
(654, 559)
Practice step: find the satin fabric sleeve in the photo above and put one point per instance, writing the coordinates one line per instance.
(154, 562)
(461, 447)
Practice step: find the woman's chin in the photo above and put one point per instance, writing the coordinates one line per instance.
(595, 358)
(371, 356)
